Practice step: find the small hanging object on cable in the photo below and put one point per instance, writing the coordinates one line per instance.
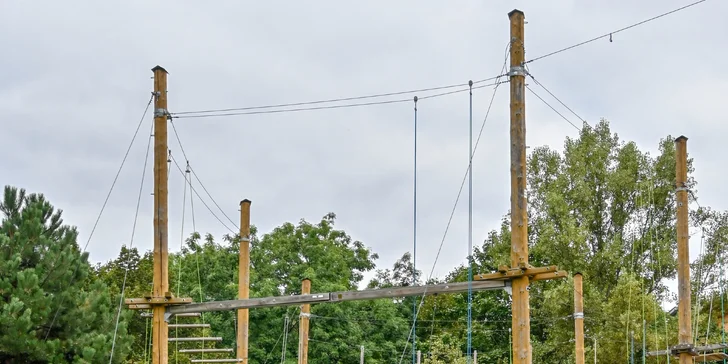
(610, 37)
(187, 170)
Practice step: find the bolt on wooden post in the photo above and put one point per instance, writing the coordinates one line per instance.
(243, 280)
(519, 219)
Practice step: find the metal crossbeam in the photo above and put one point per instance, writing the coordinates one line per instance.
(200, 351)
(194, 339)
(216, 360)
(189, 326)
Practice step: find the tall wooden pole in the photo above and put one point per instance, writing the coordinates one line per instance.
(685, 337)
(519, 220)
(243, 280)
(303, 330)
(579, 318)
(161, 273)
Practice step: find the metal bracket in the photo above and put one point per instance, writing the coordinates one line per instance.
(517, 71)
(304, 314)
(158, 113)
(678, 189)
(167, 316)
(579, 315)
(508, 288)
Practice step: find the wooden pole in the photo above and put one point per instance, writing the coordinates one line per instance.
(685, 337)
(303, 331)
(161, 273)
(361, 354)
(419, 356)
(579, 318)
(475, 357)
(519, 220)
(243, 280)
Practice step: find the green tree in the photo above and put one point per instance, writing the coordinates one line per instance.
(52, 310)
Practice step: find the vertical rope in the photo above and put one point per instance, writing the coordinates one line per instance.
(470, 231)
(414, 248)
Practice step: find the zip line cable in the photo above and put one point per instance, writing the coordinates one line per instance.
(98, 218)
(305, 103)
(457, 199)
(613, 32)
(131, 243)
(179, 141)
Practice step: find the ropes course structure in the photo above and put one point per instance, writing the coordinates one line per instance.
(162, 306)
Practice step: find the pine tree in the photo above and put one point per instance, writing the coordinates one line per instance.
(51, 309)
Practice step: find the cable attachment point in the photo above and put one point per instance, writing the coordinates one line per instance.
(159, 113)
(470, 83)
(187, 170)
(169, 155)
(517, 71)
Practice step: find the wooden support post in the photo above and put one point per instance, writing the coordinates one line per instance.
(685, 338)
(161, 273)
(579, 318)
(519, 219)
(243, 280)
(475, 357)
(361, 355)
(419, 356)
(303, 330)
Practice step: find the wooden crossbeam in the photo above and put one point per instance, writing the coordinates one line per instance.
(148, 302)
(695, 351)
(535, 273)
(369, 294)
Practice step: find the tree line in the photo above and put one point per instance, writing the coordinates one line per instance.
(601, 206)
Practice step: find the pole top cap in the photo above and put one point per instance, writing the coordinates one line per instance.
(159, 68)
(305, 279)
(514, 12)
(578, 274)
(245, 201)
(681, 138)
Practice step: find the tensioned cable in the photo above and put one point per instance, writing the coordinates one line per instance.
(198, 196)
(179, 141)
(613, 32)
(131, 244)
(557, 99)
(394, 101)
(457, 199)
(333, 100)
(179, 260)
(553, 108)
(98, 218)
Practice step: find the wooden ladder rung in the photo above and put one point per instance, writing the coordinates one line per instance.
(200, 351)
(216, 360)
(189, 326)
(195, 339)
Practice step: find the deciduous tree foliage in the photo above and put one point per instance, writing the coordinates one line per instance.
(51, 310)
(601, 206)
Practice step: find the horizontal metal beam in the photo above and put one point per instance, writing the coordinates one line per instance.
(336, 296)
(189, 314)
(216, 360)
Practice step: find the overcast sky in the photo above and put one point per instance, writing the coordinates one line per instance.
(76, 77)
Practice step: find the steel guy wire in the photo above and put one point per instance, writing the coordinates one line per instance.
(179, 141)
(131, 243)
(198, 196)
(98, 218)
(552, 108)
(557, 99)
